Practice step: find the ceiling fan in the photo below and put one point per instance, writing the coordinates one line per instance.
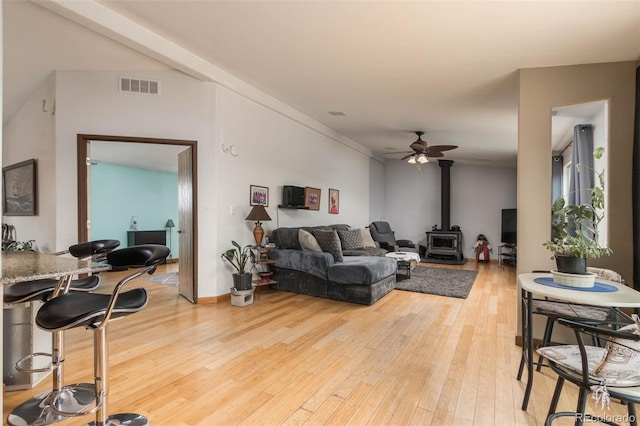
(420, 149)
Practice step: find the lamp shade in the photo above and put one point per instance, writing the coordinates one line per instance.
(259, 214)
(170, 224)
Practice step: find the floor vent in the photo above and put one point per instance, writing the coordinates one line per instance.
(137, 85)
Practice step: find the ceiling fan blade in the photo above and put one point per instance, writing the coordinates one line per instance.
(434, 154)
(398, 152)
(443, 147)
(407, 156)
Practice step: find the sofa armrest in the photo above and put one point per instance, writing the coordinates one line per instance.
(406, 243)
(314, 263)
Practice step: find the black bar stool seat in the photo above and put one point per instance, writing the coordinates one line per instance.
(43, 289)
(83, 309)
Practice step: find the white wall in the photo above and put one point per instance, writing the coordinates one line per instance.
(90, 103)
(542, 89)
(376, 190)
(273, 151)
(478, 195)
(30, 134)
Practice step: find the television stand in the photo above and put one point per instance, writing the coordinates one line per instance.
(507, 254)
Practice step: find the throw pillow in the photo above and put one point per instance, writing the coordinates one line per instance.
(351, 239)
(621, 364)
(367, 239)
(329, 242)
(308, 242)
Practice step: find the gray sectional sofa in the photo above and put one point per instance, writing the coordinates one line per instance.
(362, 275)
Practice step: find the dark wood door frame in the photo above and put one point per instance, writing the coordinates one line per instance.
(83, 214)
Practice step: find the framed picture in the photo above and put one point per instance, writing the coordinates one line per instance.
(19, 194)
(312, 198)
(259, 196)
(334, 201)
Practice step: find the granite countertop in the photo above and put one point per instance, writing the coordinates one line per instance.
(18, 266)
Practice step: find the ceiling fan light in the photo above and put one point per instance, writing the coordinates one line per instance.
(422, 159)
(412, 160)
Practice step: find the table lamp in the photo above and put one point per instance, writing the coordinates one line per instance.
(170, 225)
(259, 214)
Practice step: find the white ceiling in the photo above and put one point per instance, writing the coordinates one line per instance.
(448, 68)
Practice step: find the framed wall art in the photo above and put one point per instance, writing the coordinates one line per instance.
(259, 196)
(19, 191)
(334, 201)
(312, 198)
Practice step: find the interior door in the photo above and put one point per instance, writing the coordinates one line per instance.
(186, 241)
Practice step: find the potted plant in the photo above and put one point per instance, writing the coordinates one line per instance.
(574, 228)
(239, 258)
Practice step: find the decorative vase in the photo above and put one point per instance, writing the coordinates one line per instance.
(574, 280)
(571, 265)
(242, 281)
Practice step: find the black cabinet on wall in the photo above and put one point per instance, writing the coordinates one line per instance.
(135, 238)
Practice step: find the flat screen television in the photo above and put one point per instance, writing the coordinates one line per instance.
(292, 196)
(509, 234)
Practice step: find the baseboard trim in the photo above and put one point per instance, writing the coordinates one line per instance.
(536, 342)
(172, 260)
(214, 300)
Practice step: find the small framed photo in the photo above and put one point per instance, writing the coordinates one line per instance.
(259, 196)
(19, 190)
(312, 198)
(334, 201)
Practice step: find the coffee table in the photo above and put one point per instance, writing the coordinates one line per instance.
(406, 260)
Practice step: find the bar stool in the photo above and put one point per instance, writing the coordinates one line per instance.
(36, 411)
(95, 311)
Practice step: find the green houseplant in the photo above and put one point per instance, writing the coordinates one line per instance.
(239, 257)
(574, 228)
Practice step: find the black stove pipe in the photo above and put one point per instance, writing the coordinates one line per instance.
(445, 193)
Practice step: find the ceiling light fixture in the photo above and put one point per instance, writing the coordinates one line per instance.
(422, 159)
(412, 159)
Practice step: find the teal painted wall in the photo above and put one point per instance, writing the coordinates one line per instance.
(119, 193)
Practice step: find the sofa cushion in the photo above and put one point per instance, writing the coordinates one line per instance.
(367, 240)
(329, 242)
(308, 242)
(316, 264)
(362, 270)
(350, 239)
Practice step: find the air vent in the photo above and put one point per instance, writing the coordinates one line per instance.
(337, 113)
(137, 85)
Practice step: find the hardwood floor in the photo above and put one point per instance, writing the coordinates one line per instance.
(291, 359)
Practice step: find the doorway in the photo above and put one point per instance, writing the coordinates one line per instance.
(187, 201)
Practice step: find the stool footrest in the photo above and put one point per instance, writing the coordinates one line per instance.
(124, 419)
(76, 400)
(21, 367)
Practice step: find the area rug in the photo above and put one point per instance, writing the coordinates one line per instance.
(439, 281)
(170, 279)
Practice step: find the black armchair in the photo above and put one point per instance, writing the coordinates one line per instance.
(381, 233)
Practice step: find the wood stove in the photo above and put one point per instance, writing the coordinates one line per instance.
(445, 245)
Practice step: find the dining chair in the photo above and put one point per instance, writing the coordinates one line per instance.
(611, 372)
(594, 315)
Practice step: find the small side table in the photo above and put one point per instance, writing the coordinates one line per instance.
(406, 260)
(264, 266)
(507, 254)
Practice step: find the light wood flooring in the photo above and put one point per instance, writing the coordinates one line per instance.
(291, 359)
